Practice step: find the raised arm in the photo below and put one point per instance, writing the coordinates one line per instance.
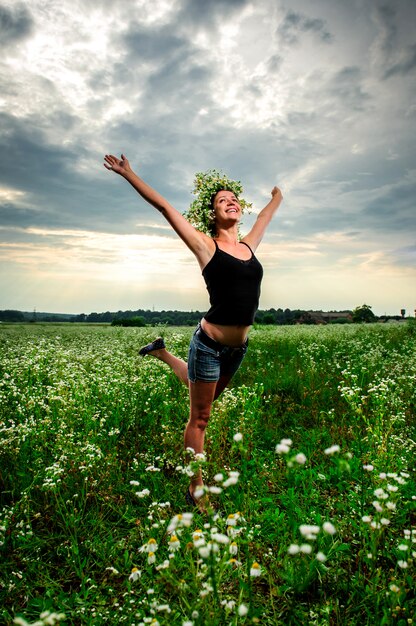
(199, 243)
(254, 237)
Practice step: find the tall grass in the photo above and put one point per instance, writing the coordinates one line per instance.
(309, 466)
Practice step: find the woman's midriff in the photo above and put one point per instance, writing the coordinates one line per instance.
(233, 336)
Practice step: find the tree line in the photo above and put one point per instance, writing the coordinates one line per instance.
(143, 317)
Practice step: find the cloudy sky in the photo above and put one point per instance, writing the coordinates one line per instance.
(317, 97)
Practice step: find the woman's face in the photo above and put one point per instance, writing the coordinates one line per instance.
(226, 206)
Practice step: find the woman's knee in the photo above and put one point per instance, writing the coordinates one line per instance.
(200, 417)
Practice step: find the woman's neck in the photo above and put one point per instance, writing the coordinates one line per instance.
(229, 236)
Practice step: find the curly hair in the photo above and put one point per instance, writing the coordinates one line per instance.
(201, 213)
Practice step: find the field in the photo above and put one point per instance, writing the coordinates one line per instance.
(310, 465)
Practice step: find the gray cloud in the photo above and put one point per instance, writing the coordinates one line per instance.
(55, 194)
(209, 12)
(295, 23)
(155, 45)
(15, 24)
(347, 86)
(406, 65)
(395, 22)
(32, 162)
(394, 209)
(274, 63)
(386, 16)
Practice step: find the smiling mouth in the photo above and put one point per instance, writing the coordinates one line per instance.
(231, 211)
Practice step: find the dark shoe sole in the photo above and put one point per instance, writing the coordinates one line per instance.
(157, 344)
(189, 499)
(197, 506)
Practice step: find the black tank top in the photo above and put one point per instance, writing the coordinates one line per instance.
(234, 288)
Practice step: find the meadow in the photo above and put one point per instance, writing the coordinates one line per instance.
(310, 467)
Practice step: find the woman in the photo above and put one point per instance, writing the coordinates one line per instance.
(232, 275)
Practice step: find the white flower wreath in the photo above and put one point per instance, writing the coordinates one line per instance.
(206, 185)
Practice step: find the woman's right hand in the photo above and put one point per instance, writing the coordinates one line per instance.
(120, 166)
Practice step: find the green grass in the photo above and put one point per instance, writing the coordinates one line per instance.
(92, 468)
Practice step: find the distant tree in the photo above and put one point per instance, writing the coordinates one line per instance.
(81, 317)
(107, 317)
(340, 320)
(363, 313)
(268, 318)
(132, 321)
(11, 316)
(93, 317)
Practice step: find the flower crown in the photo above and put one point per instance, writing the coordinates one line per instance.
(206, 185)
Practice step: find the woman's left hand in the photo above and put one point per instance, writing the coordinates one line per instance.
(276, 191)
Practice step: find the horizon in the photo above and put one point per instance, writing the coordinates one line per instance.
(34, 311)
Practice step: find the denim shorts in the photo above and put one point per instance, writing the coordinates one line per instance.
(208, 359)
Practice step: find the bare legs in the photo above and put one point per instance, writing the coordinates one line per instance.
(178, 366)
(201, 395)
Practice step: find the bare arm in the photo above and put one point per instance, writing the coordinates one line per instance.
(254, 237)
(199, 243)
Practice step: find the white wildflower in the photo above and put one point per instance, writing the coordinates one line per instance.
(300, 458)
(332, 449)
(199, 492)
(329, 528)
(231, 480)
(174, 543)
(135, 574)
(255, 570)
(143, 493)
(305, 548)
(150, 546)
(205, 551)
(309, 531)
(293, 549)
(220, 538)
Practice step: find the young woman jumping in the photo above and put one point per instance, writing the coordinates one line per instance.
(232, 275)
